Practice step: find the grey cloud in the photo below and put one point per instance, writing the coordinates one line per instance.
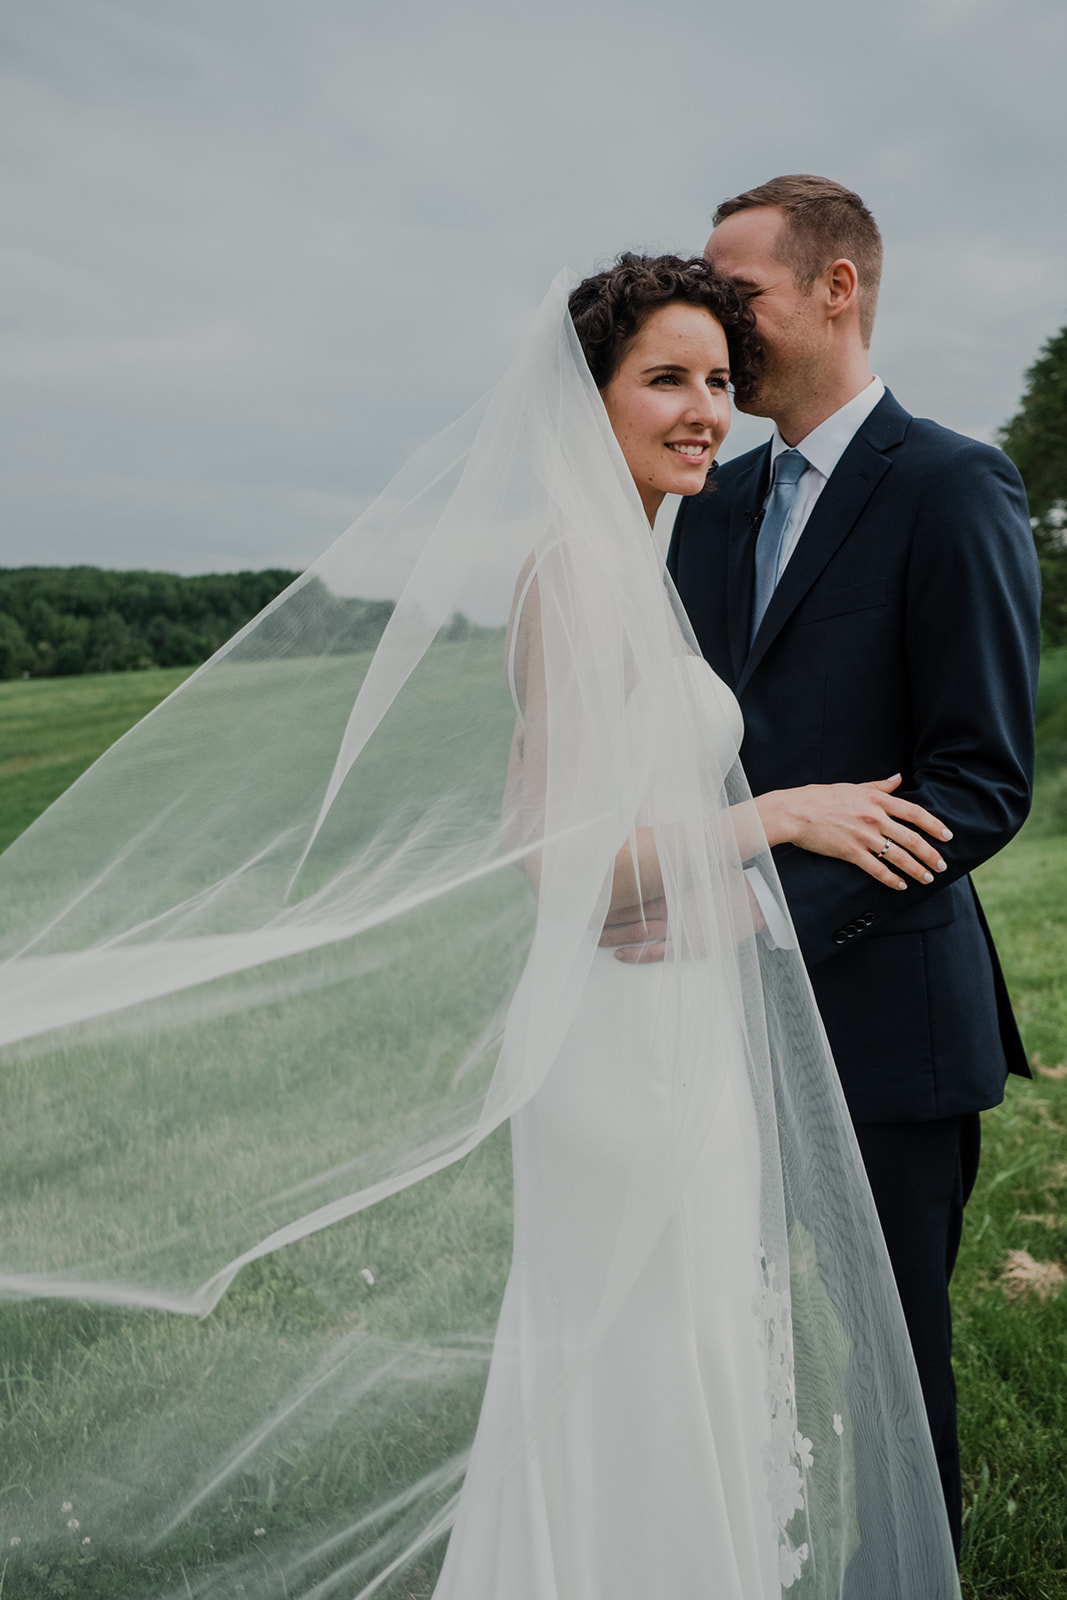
(255, 252)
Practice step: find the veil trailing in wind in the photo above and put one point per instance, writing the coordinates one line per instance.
(276, 973)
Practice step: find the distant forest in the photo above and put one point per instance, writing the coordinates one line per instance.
(58, 621)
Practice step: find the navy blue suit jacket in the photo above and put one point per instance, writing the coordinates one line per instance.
(903, 637)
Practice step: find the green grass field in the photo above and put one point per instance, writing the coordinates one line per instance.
(1011, 1352)
(51, 729)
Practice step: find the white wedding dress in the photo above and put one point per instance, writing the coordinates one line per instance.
(643, 1468)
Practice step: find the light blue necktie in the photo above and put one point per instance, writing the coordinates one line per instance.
(789, 468)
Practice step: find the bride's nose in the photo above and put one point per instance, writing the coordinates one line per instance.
(702, 407)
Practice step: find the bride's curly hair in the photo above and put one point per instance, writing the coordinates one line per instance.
(609, 309)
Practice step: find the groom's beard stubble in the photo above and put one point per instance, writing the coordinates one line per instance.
(756, 402)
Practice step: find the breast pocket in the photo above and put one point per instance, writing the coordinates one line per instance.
(824, 604)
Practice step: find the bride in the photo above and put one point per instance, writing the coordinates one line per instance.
(273, 976)
(658, 1451)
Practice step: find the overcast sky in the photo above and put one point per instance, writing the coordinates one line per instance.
(253, 252)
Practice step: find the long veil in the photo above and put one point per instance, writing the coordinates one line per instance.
(276, 973)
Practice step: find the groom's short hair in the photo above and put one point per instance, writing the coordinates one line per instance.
(823, 222)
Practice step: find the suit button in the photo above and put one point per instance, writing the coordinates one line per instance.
(852, 929)
(868, 919)
(841, 937)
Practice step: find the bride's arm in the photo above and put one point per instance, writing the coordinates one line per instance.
(523, 810)
(637, 878)
(850, 821)
(865, 823)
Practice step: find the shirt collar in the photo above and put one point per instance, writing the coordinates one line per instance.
(826, 444)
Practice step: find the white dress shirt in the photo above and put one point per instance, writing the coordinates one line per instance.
(822, 449)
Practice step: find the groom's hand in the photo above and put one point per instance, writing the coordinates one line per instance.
(637, 933)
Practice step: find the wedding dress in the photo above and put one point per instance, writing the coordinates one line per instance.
(274, 976)
(676, 1393)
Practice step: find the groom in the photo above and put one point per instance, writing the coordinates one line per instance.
(890, 626)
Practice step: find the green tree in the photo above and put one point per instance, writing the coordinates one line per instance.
(111, 645)
(17, 655)
(1036, 440)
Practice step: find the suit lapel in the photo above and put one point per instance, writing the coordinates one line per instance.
(747, 498)
(836, 513)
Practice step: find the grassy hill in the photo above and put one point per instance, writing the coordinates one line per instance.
(1011, 1350)
(51, 729)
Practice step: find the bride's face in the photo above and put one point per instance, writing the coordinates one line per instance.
(667, 402)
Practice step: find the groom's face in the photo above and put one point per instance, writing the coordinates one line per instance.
(744, 248)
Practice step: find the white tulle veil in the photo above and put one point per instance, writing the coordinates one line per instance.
(277, 971)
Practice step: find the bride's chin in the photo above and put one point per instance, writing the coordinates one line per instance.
(692, 481)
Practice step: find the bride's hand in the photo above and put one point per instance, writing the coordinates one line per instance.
(637, 933)
(865, 823)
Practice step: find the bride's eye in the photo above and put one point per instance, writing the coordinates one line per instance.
(666, 377)
(719, 381)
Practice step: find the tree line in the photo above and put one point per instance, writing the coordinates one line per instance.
(58, 621)
(1036, 440)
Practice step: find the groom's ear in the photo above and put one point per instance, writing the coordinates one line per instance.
(841, 285)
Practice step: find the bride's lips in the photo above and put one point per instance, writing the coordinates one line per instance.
(689, 449)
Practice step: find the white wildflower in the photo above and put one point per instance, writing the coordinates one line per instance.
(802, 1447)
(73, 1524)
(67, 1506)
(839, 1426)
(15, 1541)
(87, 1540)
(257, 1533)
(368, 1277)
